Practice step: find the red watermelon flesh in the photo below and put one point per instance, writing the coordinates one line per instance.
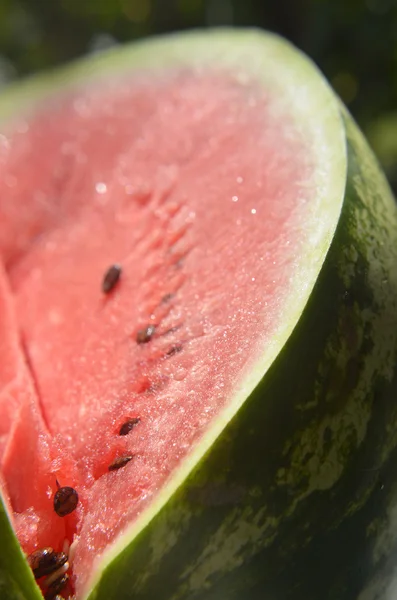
(199, 186)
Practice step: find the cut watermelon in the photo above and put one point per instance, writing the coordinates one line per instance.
(199, 328)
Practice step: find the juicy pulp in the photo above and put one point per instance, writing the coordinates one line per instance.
(200, 187)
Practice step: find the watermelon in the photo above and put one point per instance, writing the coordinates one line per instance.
(198, 291)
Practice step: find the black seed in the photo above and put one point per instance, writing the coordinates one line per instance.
(119, 462)
(56, 587)
(65, 501)
(111, 278)
(41, 559)
(145, 335)
(38, 557)
(46, 561)
(128, 425)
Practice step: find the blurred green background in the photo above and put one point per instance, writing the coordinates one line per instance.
(354, 42)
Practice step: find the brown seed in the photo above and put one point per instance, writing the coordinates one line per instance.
(111, 278)
(65, 501)
(56, 587)
(39, 557)
(145, 335)
(128, 425)
(166, 298)
(174, 350)
(119, 462)
(46, 561)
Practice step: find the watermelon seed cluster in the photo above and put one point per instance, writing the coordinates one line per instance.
(53, 566)
(57, 586)
(46, 561)
(47, 565)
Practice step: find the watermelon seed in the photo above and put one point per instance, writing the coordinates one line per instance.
(38, 558)
(51, 579)
(46, 561)
(145, 335)
(173, 350)
(56, 587)
(166, 298)
(119, 462)
(111, 278)
(128, 426)
(65, 501)
(158, 385)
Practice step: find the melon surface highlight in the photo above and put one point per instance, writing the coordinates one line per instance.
(251, 335)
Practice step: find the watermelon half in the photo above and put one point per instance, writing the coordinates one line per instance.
(198, 330)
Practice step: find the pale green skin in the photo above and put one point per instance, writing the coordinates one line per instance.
(293, 493)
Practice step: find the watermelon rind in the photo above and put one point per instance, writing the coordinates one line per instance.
(16, 577)
(290, 494)
(296, 499)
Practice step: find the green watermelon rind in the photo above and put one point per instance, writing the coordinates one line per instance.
(281, 471)
(316, 518)
(16, 578)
